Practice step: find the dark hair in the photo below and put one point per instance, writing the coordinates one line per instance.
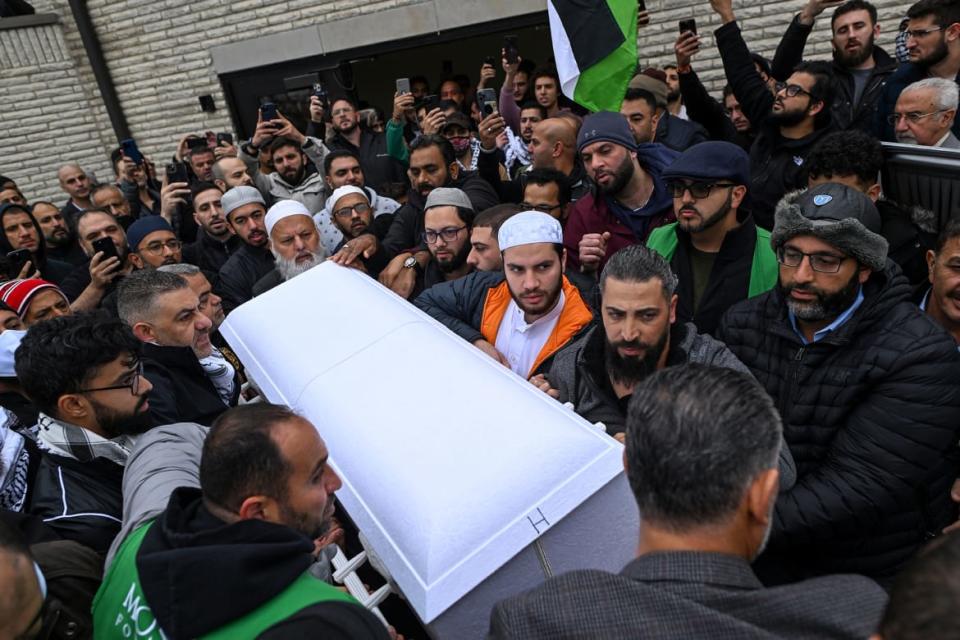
(4, 181)
(637, 263)
(199, 187)
(924, 596)
(449, 79)
(335, 155)
(533, 104)
(347, 99)
(433, 140)
(83, 214)
(728, 90)
(641, 94)
(541, 177)
(527, 67)
(496, 215)
(950, 231)
(240, 458)
(60, 355)
(545, 72)
(103, 186)
(419, 78)
(822, 89)
(696, 437)
(448, 104)
(280, 143)
(670, 65)
(945, 12)
(846, 153)
(5, 307)
(199, 151)
(5, 247)
(854, 5)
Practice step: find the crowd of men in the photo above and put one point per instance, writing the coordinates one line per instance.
(718, 280)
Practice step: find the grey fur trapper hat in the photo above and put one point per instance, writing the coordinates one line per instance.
(838, 215)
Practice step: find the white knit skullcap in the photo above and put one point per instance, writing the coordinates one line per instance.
(529, 227)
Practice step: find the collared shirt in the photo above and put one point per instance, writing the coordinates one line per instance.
(520, 342)
(71, 441)
(923, 305)
(943, 139)
(833, 326)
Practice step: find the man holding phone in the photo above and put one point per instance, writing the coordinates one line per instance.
(371, 147)
(103, 239)
(23, 243)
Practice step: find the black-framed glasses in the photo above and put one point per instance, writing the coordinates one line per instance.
(793, 90)
(916, 34)
(542, 208)
(133, 384)
(697, 189)
(822, 262)
(449, 234)
(913, 117)
(345, 212)
(156, 248)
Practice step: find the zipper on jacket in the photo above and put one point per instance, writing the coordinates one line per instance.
(791, 380)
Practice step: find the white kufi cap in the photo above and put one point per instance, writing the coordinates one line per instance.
(529, 227)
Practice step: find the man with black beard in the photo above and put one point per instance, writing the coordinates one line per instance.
(717, 251)
(866, 386)
(448, 223)
(933, 42)
(860, 68)
(640, 334)
(433, 164)
(84, 374)
(379, 168)
(788, 123)
(628, 199)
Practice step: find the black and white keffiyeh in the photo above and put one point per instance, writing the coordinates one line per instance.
(71, 441)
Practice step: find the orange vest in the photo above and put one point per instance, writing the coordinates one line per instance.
(574, 317)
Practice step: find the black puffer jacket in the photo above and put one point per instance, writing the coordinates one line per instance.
(871, 414)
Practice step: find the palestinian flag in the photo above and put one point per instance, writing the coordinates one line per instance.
(595, 46)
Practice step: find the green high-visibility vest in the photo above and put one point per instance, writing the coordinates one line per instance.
(120, 611)
(764, 270)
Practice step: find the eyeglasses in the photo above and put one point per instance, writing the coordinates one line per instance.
(698, 190)
(449, 234)
(916, 34)
(792, 90)
(913, 117)
(542, 208)
(133, 384)
(822, 262)
(346, 212)
(156, 248)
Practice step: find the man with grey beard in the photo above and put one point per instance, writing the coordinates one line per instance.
(294, 242)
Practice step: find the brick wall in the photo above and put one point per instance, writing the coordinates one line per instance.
(158, 54)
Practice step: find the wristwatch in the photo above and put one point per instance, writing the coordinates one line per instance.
(411, 263)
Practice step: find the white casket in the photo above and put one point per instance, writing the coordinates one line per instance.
(469, 484)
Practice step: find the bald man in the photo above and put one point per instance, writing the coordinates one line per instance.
(553, 145)
(76, 184)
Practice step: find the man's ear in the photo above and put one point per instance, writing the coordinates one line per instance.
(258, 508)
(875, 191)
(762, 493)
(72, 408)
(144, 332)
(563, 261)
(220, 185)
(739, 192)
(673, 308)
(931, 262)
(136, 260)
(864, 274)
(816, 107)
(454, 170)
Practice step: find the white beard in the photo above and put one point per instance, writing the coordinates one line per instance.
(291, 268)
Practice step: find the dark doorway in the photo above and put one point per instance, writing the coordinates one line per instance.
(368, 74)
